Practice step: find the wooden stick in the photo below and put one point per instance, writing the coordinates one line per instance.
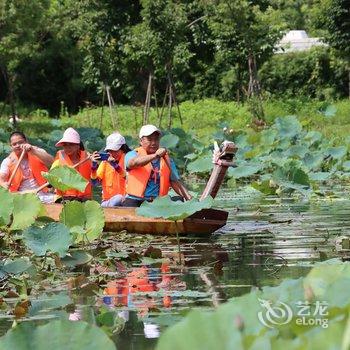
(74, 167)
(16, 167)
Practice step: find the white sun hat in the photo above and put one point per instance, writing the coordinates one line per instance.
(114, 142)
(148, 129)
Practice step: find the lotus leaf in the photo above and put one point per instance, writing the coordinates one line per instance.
(54, 237)
(288, 126)
(291, 172)
(264, 187)
(297, 150)
(76, 258)
(48, 302)
(346, 165)
(64, 178)
(86, 220)
(26, 208)
(202, 164)
(5, 210)
(313, 160)
(319, 176)
(337, 152)
(238, 322)
(164, 207)
(169, 141)
(329, 111)
(56, 335)
(17, 266)
(244, 170)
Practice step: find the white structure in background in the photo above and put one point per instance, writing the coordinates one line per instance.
(297, 40)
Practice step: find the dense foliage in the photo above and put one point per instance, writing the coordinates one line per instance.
(73, 52)
(236, 324)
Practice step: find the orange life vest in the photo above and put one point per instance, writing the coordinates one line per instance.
(112, 182)
(36, 166)
(84, 170)
(137, 178)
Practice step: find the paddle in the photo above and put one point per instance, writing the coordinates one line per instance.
(178, 186)
(74, 167)
(16, 167)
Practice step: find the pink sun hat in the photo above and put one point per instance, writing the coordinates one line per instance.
(70, 136)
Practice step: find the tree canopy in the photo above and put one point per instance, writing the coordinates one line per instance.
(64, 51)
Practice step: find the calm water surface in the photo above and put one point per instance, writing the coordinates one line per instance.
(264, 241)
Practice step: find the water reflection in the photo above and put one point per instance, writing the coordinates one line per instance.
(265, 240)
(135, 290)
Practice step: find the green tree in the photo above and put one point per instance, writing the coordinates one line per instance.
(246, 33)
(334, 17)
(158, 46)
(100, 28)
(21, 31)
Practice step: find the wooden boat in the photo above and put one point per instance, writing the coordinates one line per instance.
(205, 221)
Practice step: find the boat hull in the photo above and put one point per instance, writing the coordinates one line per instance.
(119, 219)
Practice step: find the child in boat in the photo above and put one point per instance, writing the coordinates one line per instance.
(26, 177)
(111, 172)
(72, 154)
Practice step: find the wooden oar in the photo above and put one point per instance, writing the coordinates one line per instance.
(74, 167)
(180, 187)
(16, 167)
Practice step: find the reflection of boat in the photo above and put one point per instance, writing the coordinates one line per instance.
(126, 291)
(117, 219)
(205, 221)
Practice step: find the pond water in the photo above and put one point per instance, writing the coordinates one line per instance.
(265, 240)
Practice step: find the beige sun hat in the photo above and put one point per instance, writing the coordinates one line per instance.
(148, 129)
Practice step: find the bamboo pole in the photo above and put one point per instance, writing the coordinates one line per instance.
(16, 167)
(111, 104)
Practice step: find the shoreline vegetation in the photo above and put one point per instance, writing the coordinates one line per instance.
(203, 117)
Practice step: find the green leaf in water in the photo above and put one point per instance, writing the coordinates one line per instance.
(264, 187)
(64, 178)
(200, 165)
(345, 165)
(76, 258)
(56, 335)
(73, 214)
(291, 172)
(45, 303)
(5, 210)
(95, 220)
(241, 321)
(288, 126)
(329, 111)
(337, 152)
(169, 141)
(313, 160)
(17, 266)
(319, 176)
(54, 237)
(26, 208)
(164, 207)
(296, 151)
(244, 170)
(330, 282)
(86, 220)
